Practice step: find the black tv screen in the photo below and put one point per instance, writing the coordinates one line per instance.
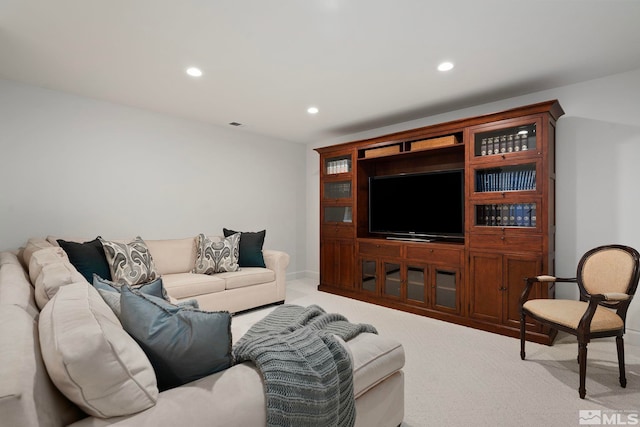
(422, 205)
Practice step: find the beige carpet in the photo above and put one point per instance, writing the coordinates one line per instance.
(458, 376)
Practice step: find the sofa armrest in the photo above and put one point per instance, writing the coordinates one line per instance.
(278, 261)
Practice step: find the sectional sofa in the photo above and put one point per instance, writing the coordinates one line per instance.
(174, 260)
(231, 397)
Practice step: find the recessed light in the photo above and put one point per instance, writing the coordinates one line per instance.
(194, 72)
(312, 110)
(445, 66)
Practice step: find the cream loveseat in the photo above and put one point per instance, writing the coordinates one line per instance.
(231, 397)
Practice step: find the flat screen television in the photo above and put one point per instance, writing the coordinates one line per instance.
(426, 205)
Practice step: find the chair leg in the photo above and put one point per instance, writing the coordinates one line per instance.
(522, 335)
(620, 345)
(582, 360)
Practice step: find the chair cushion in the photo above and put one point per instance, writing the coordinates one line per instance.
(568, 313)
(608, 270)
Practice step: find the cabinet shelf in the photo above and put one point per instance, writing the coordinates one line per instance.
(415, 145)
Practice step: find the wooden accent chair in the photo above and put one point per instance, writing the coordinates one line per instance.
(607, 277)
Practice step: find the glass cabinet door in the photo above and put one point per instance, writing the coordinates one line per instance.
(338, 214)
(337, 190)
(392, 279)
(506, 215)
(337, 165)
(504, 141)
(368, 278)
(416, 284)
(446, 288)
(506, 178)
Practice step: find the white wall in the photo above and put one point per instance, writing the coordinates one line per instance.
(74, 166)
(598, 171)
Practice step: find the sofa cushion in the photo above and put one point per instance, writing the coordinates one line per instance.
(247, 276)
(215, 255)
(42, 257)
(250, 247)
(183, 345)
(173, 255)
(91, 358)
(374, 359)
(88, 258)
(33, 244)
(186, 285)
(28, 398)
(15, 287)
(130, 263)
(52, 277)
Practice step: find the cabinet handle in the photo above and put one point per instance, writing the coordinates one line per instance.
(502, 288)
(501, 237)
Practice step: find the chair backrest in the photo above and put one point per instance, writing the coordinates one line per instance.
(610, 268)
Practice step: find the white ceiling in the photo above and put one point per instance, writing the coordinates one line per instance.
(363, 63)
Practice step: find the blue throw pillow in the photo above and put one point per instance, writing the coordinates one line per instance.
(110, 291)
(250, 247)
(182, 345)
(88, 258)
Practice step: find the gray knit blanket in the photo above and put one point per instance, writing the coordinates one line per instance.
(307, 373)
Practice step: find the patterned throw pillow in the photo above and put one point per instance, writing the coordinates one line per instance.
(217, 256)
(130, 263)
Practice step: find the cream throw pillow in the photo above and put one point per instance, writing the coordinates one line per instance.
(51, 277)
(90, 357)
(42, 257)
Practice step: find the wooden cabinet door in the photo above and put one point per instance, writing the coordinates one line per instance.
(516, 269)
(337, 263)
(485, 286)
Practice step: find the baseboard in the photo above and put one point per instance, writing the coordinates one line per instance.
(632, 337)
(302, 275)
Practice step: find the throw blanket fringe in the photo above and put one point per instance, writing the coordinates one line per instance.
(307, 373)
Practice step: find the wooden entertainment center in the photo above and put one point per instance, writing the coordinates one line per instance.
(474, 279)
